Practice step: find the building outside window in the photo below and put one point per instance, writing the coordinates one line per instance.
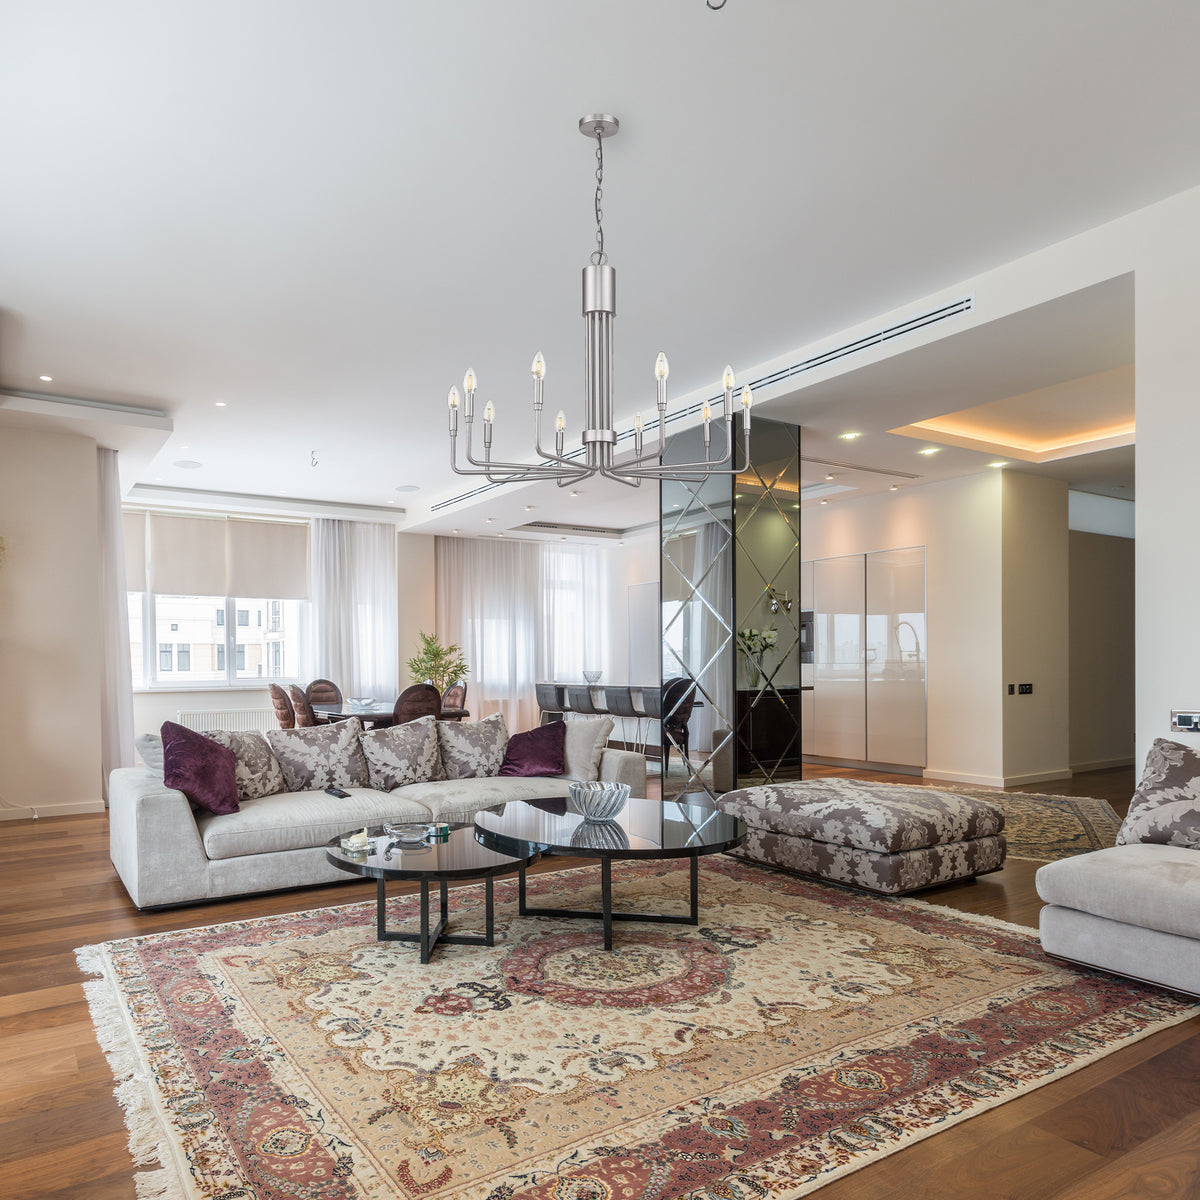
(183, 656)
(243, 616)
(220, 616)
(165, 657)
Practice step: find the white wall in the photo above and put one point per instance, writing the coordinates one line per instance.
(959, 523)
(49, 625)
(1100, 514)
(417, 602)
(636, 562)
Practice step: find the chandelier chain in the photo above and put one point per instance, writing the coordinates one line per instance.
(598, 255)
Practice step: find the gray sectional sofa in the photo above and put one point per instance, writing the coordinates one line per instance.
(168, 853)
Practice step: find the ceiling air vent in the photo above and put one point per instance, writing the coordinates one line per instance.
(596, 531)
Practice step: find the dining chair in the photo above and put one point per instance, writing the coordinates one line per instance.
(619, 702)
(323, 691)
(549, 701)
(420, 700)
(678, 697)
(305, 717)
(454, 702)
(285, 714)
(579, 700)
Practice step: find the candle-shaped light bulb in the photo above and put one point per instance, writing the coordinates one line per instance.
(705, 412)
(452, 399)
(637, 424)
(539, 367)
(469, 381)
(661, 367)
(727, 380)
(560, 422)
(747, 399)
(489, 412)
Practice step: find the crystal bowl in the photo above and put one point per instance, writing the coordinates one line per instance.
(600, 835)
(593, 677)
(407, 831)
(597, 801)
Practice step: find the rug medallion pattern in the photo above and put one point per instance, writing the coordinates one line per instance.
(799, 1032)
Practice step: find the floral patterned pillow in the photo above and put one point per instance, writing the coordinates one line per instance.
(472, 749)
(402, 754)
(321, 756)
(1166, 806)
(256, 768)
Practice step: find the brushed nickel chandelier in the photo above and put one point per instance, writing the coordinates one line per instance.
(599, 438)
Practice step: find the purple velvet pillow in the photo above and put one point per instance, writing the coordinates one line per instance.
(203, 770)
(537, 752)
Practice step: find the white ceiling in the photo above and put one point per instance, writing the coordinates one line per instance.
(322, 213)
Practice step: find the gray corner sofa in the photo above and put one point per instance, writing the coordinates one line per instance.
(168, 854)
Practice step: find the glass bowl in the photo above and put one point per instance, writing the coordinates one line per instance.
(593, 677)
(410, 832)
(597, 801)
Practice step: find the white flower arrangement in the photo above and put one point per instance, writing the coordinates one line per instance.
(756, 642)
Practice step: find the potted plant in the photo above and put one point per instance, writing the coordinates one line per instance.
(437, 664)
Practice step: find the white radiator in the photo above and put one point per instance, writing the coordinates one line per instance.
(261, 719)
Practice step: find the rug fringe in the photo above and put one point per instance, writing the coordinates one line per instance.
(149, 1144)
(1029, 931)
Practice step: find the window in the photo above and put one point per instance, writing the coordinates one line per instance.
(210, 640)
(259, 622)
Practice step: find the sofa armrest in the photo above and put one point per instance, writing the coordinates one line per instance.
(153, 840)
(624, 766)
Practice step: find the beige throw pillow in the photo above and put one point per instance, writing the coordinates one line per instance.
(584, 745)
(403, 754)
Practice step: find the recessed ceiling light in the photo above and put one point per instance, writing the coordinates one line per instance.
(158, 479)
(998, 464)
(738, 496)
(674, 505)
(849, 437)
(573, 495)
(456, 531)
(46, 378)
(222, 404)
(490, 520)
(824, 501)
(795, 506)
(499, 535)
(391, 502)
(408, 487)
(187, 464)
(529, 508)
(894, 488)
(929, 450)
(562, 539)
(185, 447)
(829, 477)
(620, 543)
(283, 491)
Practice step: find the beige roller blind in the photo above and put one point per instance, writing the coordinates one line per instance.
(267, 559)
(187, 556)
(133, 529)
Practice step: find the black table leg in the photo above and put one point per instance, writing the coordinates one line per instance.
(445, 904)
(425, 920)
(695, 889)
(521, 893)
(380, 908)
(606, 900)
(489, 910)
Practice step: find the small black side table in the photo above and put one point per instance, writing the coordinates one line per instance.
(459, 857)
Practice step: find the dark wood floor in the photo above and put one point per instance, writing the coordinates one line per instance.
(1127, 1127)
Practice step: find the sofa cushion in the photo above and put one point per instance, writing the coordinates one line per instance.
(150, 750)
(200, 768)
(402, 754)
(536, 752)
(583, 746)
(461, 799)
(1151, 886)
(871, 816)
(299, 820)
(321, 756)
(256, 768)
(1166, 806)
(472, 749)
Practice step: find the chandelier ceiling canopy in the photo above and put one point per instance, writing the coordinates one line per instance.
(599, 437)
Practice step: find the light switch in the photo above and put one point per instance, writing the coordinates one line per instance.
(1185, 720)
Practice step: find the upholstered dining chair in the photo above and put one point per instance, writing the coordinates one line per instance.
(454, 702)
(284, 713)
(619, 702)
(550, 702)
(305, 716)
(678, 697)
(420, 700)
(323, 691)
(579, 700)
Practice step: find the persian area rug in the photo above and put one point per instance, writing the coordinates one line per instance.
(1047, 828)
(799, 1033)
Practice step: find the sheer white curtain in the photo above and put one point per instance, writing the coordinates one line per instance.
(354, 601)
(116, 698)
(574, 611)
(488, 601)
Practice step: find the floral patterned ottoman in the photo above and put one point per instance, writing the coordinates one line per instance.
(881, 837)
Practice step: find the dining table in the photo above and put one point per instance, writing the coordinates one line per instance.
(376, 714)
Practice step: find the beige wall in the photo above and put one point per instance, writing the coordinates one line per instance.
(1034, 628)
(1101, 644)
(959, 524)
(49, 625)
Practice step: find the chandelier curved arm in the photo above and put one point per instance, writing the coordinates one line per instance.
(694, 472)
(558, 437)
(513, 472)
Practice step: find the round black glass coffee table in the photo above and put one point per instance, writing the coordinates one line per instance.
(643, 829)
(460, 856)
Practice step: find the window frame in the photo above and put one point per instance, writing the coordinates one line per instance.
(154, 679)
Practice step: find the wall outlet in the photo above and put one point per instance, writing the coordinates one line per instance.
(1012, 689)
(1185, 720)
(1025, 689)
